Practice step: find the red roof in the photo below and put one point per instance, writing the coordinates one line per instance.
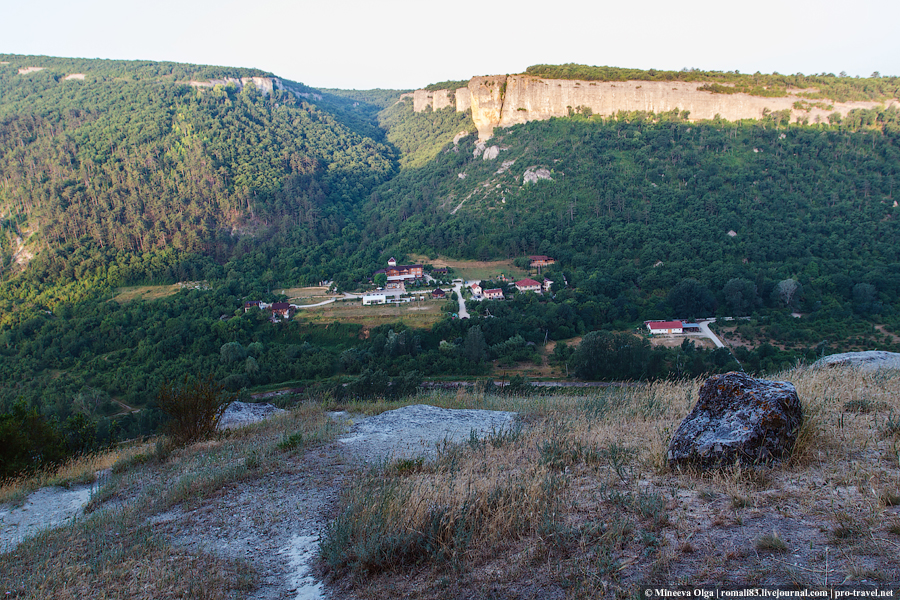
(281, 306)
(493, 291)
(527, 283)
(664, 324)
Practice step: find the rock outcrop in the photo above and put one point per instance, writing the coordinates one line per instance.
(265, 85)
(871, 360)
(239, 414)
(738, 419)
(506, 100)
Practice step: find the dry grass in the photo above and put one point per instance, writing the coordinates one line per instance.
(413, 314)
(582, 504)
(475, 270)
(78, 470)
(114, 553)
(146, 292)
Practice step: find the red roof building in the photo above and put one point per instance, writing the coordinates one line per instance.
(660, 327)
(493, 294)
(540, 260)
(528, 285)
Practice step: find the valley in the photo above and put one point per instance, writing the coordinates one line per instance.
(143, 205)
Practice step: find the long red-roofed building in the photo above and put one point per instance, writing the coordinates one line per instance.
(660, 327)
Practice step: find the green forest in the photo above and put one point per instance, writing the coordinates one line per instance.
(134, 176)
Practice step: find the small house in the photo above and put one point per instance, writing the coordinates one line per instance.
(476, 289)
(251, 304)
(281, 310)
(493, 294)
(439, 293)
(547, 284)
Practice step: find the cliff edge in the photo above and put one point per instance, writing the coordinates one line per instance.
(506, 100)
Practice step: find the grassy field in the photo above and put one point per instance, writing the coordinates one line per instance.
(146, 292)
(414, 314)
(475, 270)
(306, 295)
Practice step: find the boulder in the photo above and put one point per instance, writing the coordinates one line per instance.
(738, 419)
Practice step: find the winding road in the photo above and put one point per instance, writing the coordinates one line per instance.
(704, 327)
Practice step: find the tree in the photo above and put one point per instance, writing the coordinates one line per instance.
(380, 280)
(194, 409)
(787, 292)
(740, 296)
(691, 298)
(474, 347)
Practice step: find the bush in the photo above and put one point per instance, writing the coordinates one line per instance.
(194, 409)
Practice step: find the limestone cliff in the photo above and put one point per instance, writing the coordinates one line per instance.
(505, 100)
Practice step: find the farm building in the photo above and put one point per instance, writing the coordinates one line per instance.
(661, 327)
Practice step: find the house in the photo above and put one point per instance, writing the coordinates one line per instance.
(374, 298)
(397, 272)
(547, 284)
(281, 310)
(251, 304)
(439, 293)
(540, 261)
(439, 271)
(528, 285)
(392, 262)
(661, 327)
(493, 294)
(476, 289)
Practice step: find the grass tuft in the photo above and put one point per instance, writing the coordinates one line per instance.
(771, 543)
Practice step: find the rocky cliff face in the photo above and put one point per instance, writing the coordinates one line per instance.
(265, 85)
(505, 100)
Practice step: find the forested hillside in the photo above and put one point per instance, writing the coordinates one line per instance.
(133, 158)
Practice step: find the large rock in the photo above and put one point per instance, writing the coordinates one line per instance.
(738, 419)
(871, 360)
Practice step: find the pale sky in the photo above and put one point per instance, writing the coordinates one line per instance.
(365, 44)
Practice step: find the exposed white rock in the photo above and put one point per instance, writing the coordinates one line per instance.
(491, 153)
(417, 430)
(534, 175)
(871, 360)
(239, 414)
(505, 166)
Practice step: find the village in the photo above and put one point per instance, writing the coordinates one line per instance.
(402, 284)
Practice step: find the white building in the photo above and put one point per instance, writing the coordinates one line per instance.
(374, 298)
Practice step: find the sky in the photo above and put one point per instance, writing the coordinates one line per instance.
(407, 44)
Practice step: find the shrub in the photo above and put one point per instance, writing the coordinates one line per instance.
(194, 409)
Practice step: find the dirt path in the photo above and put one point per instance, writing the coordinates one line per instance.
(273, 522)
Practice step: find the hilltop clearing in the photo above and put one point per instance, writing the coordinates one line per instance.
(578, 503)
